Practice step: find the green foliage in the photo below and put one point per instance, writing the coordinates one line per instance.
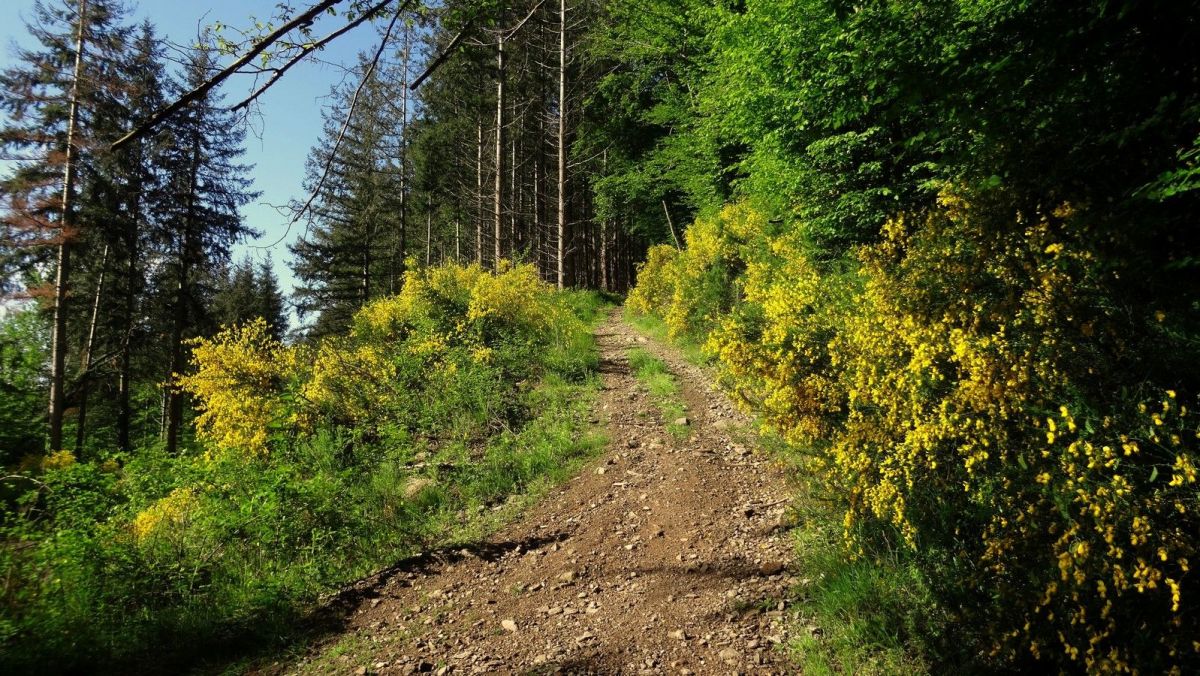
(968, 394)
(967, 301)
(24, 354)
(110, 556)
(866, 616)
(663, 387)
(246, 292)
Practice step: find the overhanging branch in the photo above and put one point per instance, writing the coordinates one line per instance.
(367, 15)
(204, 88)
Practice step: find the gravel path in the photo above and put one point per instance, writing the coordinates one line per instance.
(663, 556)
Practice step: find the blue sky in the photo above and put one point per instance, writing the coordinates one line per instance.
(290, 120)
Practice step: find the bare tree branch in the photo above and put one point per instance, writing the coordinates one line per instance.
(441, 58)
(345, 126)
(279, 72)
(513, 31)
(201, 90)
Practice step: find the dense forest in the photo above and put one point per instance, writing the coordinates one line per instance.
(943, 250)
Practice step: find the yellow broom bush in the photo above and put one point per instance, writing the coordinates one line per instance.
(958, 383)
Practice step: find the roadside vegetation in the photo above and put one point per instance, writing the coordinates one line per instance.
(315, 465)
(986, 473)
(952, 268)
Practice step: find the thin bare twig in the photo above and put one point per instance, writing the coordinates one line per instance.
(201, 90)
(387, 35)
(441, 58)
(279, 72)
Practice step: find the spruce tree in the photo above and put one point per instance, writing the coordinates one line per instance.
(348, 255)
(50, 97)
(247, 292)
(205, 187)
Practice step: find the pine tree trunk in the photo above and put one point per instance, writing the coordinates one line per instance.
(479, 192)
(58, 334)
(174, 397)
(498, 206)
(124, 408)
(604, 234)
(514, 189)
(85, 362)
(404, 157)
(428, 229)
(562, 140)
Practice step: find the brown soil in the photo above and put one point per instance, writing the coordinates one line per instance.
(663, 556)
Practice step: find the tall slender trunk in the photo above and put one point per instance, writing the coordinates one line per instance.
(174, 397)
(671, 225)
(479, 191)
(498, 206)
(457, 242)
(124, 379)
(428, 229)
(514, 207)
(404, 154)
(58, 334)
(562, 140)
(365, 273)
(537, 234)
(85, 361)
(604, 233)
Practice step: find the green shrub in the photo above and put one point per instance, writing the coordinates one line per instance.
(462, 399)
(975, 393)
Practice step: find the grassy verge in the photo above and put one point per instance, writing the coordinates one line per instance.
(861, 616)
(663, 387)
(467, 495)
(426, 427)
(871, 614)
(656, 328)
(465, 503)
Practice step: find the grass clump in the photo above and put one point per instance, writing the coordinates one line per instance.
(651, 325)
(663, 387)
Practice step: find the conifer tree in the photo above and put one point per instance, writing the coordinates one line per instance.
(245, 292)
(50, 97)
(357, 179)
(120, 198)
(205, 187)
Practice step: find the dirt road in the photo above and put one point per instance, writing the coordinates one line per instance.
(665, 555)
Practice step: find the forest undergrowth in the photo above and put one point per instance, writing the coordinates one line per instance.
(316, 464)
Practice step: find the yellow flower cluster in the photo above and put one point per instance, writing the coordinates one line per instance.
(692, 288)
(248, 385)
(58, 460)
(654, 288)
(238, 379)
(937, 382)
(773, 348)
(167, 515)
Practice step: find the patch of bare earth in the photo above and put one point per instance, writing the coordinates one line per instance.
(663, 556)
